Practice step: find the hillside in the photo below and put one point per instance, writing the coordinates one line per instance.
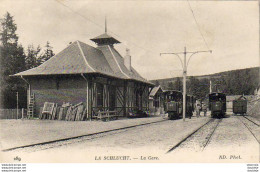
(234, 82)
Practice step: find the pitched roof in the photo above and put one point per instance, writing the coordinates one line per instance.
(79, 58)
(155, 90)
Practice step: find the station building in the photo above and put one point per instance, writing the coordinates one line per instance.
(97, 76)
(156, 100)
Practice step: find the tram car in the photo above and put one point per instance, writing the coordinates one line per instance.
(217, 104)
(173, 104)
(240, 106)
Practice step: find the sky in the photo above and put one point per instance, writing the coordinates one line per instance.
(148, 28)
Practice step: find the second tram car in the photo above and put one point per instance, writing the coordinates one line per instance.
(240, 106)
(217, 104)
(173, 104)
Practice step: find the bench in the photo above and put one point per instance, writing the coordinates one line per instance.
(106, 115)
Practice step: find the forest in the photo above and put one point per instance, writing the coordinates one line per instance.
(16, 58)
(235, 82)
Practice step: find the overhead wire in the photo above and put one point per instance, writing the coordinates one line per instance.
(100, 26)
(134, 44)
(197, 24)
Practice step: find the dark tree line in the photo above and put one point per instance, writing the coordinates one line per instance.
(194, 86)
(15, 59)
(236, 82)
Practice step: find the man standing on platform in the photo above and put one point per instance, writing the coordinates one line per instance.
(204, 108)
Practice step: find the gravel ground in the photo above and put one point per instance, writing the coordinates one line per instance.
(25, 132)
(235, 141)
(253, 119)
(154, 139)
(230, 142)
(254, 126)
(199, 140)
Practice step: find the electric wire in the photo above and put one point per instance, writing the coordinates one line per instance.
(197, 24)
(100, 26)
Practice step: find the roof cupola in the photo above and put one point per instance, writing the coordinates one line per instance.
(105, 39)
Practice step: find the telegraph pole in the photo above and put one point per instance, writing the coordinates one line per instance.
(184, 67)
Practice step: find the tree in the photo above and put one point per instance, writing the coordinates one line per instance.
(157, 83)
(48, 53)
(170, 86)
(203, 90)
(8, 29)
(33, 57)
(194, 87)
(178, 84)
(198, 88)
(12, 61)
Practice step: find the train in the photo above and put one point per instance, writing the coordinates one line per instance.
(174, 104)
(240, 106)
(217, 104)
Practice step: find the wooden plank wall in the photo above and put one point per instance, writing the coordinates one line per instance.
(11, 113)
(145, 98)
(120, 100)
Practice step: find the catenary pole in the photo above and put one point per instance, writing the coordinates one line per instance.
(185, 64)
(184, 85)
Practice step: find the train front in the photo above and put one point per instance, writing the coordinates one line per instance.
(173, 104)
(217, 104)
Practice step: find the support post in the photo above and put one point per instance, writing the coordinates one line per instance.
(22, 113)
(17, 105)
(124, 98)
(185, 66)
(184, 85)
(210, 86)
(28, 93)
(87, 102)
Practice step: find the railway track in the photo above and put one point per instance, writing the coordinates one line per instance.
(251, 121)
(71, 140)
(199, 139)
(252, 126)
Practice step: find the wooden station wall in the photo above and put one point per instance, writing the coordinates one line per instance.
(123, 95)
(58, 90)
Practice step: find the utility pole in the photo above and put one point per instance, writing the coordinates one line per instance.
(17, 105)
(210, 86)
(184, 85)
(184, 67)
